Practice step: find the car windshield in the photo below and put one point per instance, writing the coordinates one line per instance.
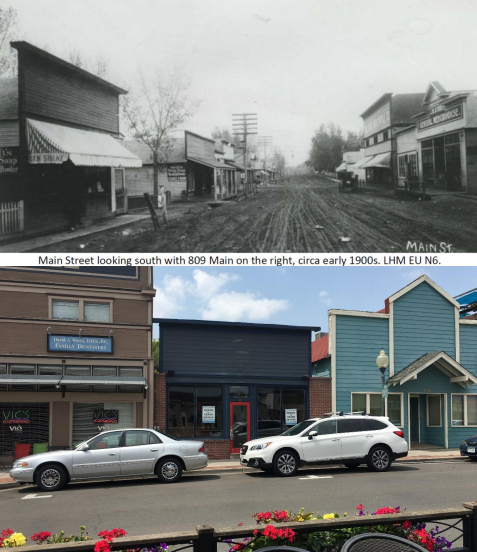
(298, 428)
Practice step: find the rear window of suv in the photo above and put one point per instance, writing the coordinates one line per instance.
(350, 426)
(374, 424)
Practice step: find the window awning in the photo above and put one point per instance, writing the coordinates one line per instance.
(382, 160)
(25, 379)
(450, 367)
(342, 167)
(207, 163)
(54, 144)
(102, 380)
(360, 164)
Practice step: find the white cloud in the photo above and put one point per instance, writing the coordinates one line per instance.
(206, 294)
(207, 285)
(233, 306)
(325, 297)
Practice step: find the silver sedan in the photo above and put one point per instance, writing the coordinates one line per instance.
(112, 454)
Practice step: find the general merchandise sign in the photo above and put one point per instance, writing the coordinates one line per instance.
(440, 117)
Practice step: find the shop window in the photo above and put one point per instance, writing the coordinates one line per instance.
(464, 410)
(402, 166)
(104, 372)
(367, 142)
(3, 370)
(375, 139)
(30, 423)
(96, 312)
(434, 411)
(358, 403)
(22, 369)
(393, 408)
(239, 391)
(452, 139)
(375, 404)
(65, 310)
(386, 135)
(87, 418)
(130, 372)
(49, 371)
(78, 371)
(186, 417)
(271, 407)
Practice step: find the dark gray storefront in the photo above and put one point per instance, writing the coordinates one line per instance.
(231, 382)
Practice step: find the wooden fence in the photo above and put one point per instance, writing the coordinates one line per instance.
(11, 218)
(207, 539)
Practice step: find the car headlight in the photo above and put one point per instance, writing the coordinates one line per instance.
(20, 464)
(262, 446)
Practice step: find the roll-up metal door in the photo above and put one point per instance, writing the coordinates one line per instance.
(83, 415)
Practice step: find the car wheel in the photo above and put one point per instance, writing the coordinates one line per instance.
(285, 463)
(169, 470)
(51, 478)
(352, 466)
(379, 459)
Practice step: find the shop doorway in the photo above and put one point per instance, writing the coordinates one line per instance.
(414, 419)
(239, 425)
(427, 421)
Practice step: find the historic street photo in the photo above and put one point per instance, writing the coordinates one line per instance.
(156, 126)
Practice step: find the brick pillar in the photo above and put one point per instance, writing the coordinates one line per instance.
(320, 396)
(160, 401)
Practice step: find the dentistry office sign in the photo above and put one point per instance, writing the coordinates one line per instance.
(76, 344)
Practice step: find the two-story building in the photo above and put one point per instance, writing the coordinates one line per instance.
(75, 353)
(61, 157)
(226, 383)
(382, 120)
(432, 371)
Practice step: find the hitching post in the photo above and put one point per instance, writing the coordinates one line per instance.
(206, 541)
(469, 527)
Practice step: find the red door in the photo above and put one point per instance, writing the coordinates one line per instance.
(239, 425)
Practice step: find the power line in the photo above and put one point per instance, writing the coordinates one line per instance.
(245, 124)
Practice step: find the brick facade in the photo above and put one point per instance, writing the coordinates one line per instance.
(217, 449)
(160, 401)
(320, 396)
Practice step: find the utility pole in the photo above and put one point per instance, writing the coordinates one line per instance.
(244, 124)
(277, 154)
(264, 141)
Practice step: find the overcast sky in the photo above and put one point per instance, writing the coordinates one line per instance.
(296, 296)
(295, 63)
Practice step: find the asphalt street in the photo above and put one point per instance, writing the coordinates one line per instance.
(145, 506)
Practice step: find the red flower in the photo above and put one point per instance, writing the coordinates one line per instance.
(113, 534)
(102, 546)
(407, 525)
(240, 524)
(386, 511)
(41, 537)
(7, 532)
(359, 507)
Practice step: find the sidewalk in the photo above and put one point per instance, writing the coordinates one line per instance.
(216, 467)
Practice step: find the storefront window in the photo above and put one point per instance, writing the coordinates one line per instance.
(88, 418)
(23, 423)
(77, 371)
(441, 161)
(23, 369)
(394, 409)
(457, 410)
(96, 312)
(272, 404)
(66, 310)
(358, 402)
(239, 391)
(433, 410)
(471, 410)
(181, 411)
(209, 397)
(130, 372)
(375, 404)
(188, 414)
(464, 410)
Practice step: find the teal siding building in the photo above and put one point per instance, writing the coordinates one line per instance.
(432, 370)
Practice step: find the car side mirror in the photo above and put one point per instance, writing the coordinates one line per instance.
(84, 447)
(312, 434)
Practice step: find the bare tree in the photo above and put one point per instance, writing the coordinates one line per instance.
(77, 58)
(8, 32)
(102, 67)
(159, 106)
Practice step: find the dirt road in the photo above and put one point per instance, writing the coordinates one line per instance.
(302, 214)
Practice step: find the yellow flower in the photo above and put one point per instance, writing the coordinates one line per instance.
(329, 516)
(15, 539)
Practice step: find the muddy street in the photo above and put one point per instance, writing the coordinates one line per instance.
(301, 214)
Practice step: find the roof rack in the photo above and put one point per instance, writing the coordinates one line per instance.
(341, 413)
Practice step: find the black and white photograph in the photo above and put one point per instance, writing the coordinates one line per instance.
(307, 126)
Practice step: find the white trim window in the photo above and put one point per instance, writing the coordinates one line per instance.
(434, 411)
(370, 403)
(410, 158)
(464, 410)
(83, 310)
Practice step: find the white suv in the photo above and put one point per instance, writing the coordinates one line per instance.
(335, 439)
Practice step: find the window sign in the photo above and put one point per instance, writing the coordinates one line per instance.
(15, 417)
(176, 173)
(291, 416)
(105, 416)
(208, 414)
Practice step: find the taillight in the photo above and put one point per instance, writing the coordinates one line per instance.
(399, 433)
(202, 448)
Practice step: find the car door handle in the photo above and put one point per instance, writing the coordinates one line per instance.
(154, 450)
(112, 453)
(335, 439)
(368, 435)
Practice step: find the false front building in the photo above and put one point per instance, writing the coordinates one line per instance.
(61, 158)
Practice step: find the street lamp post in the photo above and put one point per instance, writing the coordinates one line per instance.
(382, 361)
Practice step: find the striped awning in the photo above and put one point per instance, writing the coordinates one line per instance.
(54, 144)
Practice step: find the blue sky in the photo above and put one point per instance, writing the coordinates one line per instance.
(295, 295)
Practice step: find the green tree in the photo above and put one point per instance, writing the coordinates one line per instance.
(155, 354)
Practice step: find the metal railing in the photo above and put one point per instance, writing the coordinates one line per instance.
(207, 539)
